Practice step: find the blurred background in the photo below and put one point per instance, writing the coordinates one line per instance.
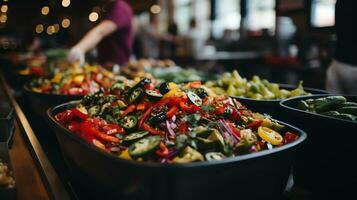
(283, 40)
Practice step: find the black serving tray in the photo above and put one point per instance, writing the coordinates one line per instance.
(116, 178)
(6, 193)
(6, 123)
(328, 164)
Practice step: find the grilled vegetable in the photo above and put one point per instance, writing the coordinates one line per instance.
(214, 156)
(233, 84)
(349, 104)
(270, 135)
(201, 92)
(135, 136)
(164, 88)
(135, 95)
(346, 117)
(333, 106)
(177, 127)
(153, 95)
(129, 122)
(348, 110)
(194, 98)
(327, 103)
(144, 146)
(189, 155)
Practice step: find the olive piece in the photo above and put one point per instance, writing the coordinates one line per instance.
(157, 118)
(164, 88)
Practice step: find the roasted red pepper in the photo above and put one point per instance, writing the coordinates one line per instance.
(220, 110)
(128, 110)
(141, 107)
(74, 126)
(235, 131)
(254, 125)
(152, 130)
(163, 151)
(111, 129)
(172, 111)
(145, 115)
(104, 137)
(149, 86)
(290, 137)
(89, 130)
(189, 108)
(183, 127)
(38, 71)
(235, 115)
(64, 116)
(79, 114)
(194, 84)
(175, 101)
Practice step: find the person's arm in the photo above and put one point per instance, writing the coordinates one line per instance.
(91, 39)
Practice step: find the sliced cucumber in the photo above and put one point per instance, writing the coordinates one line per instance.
(135, 136)
(144, 146)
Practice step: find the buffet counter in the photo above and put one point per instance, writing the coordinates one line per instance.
(34, 175)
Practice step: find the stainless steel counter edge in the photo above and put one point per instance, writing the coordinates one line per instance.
(54, 185)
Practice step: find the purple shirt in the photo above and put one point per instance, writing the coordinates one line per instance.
(117, 47)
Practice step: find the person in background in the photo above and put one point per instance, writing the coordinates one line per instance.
(31, 43)
(195, 41)
(150, 38)
(342, 72)
(171, 40)
(113, 37)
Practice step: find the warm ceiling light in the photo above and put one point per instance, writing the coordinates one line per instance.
(3, 18)
(155, 9)
(45, 10)
(50, 30)
(93, 16)
(66, 23)
(66, 3)
(4, 8)
(39, 28)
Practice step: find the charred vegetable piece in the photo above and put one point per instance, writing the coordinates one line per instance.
(201, 131)
(142, 83)
(204, 144)
(194, 98)
(349, 104)
(164, 88)
(248, 138)
(188, 155)
(348, 110)
(135, 95)
(217, 138)
(330, 113)
(135, 136)
(328, 103)
(94, 110)
(214, 156)
(303, 106)
(346, 117)
(157, 118)
(144, 146)
(201, 92)
(129, 122)
(153, 95)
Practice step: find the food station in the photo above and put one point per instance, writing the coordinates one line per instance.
(247, 116)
